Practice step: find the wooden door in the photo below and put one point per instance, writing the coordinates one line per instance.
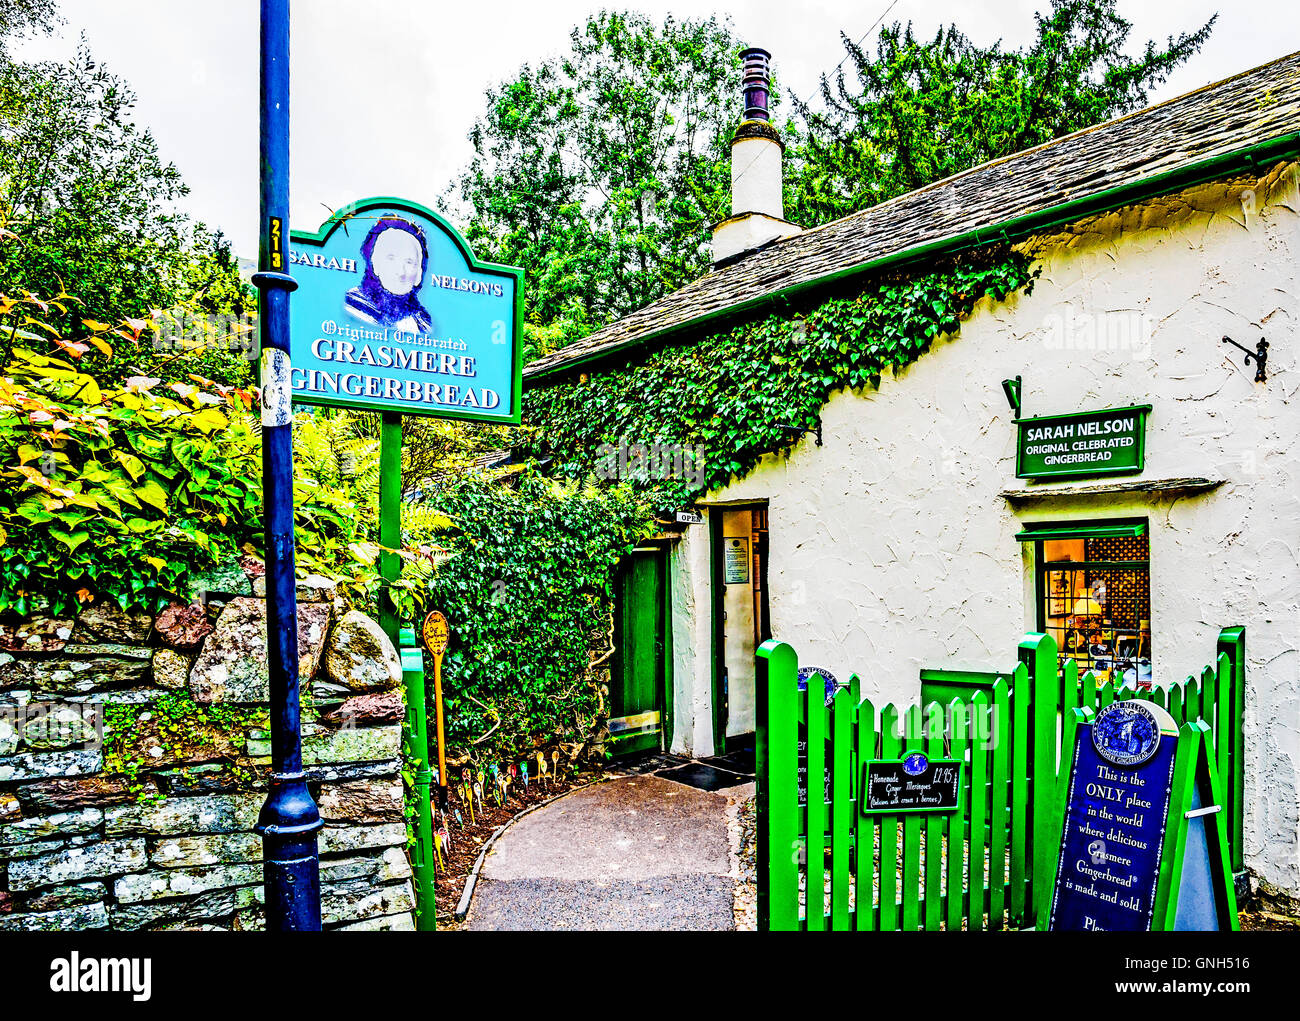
(637, 676)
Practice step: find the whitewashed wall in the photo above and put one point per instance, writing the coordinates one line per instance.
(891, 548)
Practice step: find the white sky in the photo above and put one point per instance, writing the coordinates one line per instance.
(382, 104)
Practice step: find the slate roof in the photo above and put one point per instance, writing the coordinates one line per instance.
(1099, 168)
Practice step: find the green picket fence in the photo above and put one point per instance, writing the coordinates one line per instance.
(973, 868)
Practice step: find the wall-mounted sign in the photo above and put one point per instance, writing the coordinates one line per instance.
(689, 518)
(1111, 442)
(829, 683)
(914, 783)
(735, 560)
(394, 313)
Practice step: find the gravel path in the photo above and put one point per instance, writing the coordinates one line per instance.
(639, 852)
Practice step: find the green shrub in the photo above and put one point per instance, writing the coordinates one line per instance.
(127, 491)
(121, 491)
(527, 589)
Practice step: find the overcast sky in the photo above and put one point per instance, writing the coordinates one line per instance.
(382, 103)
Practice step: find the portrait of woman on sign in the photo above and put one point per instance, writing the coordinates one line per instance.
(396, 255)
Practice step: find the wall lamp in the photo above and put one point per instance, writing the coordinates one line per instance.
(1011, 387)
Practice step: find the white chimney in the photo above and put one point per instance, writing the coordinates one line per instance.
(757, 214)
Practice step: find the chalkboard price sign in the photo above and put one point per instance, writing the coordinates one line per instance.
(914, 783)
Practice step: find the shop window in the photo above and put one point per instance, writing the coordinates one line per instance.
(1093, 586)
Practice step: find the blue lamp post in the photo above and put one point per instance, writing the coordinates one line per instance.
(289, 819)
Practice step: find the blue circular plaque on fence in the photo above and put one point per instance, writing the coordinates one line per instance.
(828, 678)
(1126, 733)
(915, 764)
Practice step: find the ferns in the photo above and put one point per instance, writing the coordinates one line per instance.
(337, 477)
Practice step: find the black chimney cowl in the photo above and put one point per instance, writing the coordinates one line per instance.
(756, 83)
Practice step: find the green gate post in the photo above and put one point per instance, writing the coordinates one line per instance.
(1038, 653)
(1232, 643)
(390, 518)
(777, 751)
(416, 740)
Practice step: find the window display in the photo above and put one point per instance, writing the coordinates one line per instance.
(1096, 603)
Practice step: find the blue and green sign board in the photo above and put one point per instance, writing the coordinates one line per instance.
(394, 313)
(1143, 844)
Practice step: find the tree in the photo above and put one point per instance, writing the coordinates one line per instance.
(600, 171)
(919, 111)
(88, 209)
(23, 17)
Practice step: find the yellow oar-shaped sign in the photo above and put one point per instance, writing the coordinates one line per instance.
(434, 633)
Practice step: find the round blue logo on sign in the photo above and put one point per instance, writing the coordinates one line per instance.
(828, 679)
(1126, 733)
(915, 764)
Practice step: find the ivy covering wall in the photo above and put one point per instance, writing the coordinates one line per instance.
(527, 592)
(729, 396)
(528, 585)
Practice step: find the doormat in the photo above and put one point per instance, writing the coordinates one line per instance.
(702, 777)
(740, 761)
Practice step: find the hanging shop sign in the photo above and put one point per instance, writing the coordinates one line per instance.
(1089, 443)
(914, 783)
(394, 313)
(1143, 840)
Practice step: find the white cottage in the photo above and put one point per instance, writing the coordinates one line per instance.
(930, 525)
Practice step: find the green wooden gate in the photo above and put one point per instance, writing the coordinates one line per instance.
(974, 868)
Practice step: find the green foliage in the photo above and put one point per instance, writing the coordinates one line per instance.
(731, 394)
(919, 111)
(526, 588)
(115, 490)
(601, 170)
(336, 496)
(24, 17)
(336, 486)
(211, 331)
(88, 207)
(182, 729)
(128, 490)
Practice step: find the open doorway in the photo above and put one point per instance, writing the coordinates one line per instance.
(740, 620)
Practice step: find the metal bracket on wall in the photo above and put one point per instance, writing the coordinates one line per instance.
(796, 431)
(1260, 355)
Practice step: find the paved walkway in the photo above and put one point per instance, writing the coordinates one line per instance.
(638, 852)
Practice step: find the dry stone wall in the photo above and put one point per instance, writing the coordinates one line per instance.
(134, 755)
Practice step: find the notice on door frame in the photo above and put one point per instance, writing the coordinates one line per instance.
(735, 560)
